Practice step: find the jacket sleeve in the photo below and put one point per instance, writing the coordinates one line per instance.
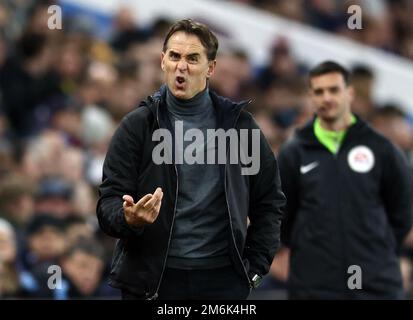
(289, 173)
(120, 174)
(266, 201)
(396, 192)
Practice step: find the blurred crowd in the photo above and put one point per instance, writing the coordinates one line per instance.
(62, 95)
(386, 24)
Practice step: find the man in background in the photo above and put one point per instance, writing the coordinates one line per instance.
(349, 200)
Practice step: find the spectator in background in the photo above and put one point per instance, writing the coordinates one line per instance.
(9, 275)
(77, 229)
(54, 197)
(83, 265)
(26, 82)
(126, 30)
(325, 14)
(282, 66)
(362, 79)
(70, 63)
(3, 51)
(16, 200)
(46, 240)
(233, 78)
(394, 125)
(343, 208)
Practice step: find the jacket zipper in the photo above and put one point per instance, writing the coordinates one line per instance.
(232, 230)
(155, 295)
(342, 226)
(229, 213)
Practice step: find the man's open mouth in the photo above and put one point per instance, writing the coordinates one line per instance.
(180, 80)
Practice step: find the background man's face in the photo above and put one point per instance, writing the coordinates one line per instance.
(185, 65)
(47, 244)
(84, 270)
(331, 96)
(7, 247)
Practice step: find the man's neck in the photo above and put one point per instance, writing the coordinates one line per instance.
(341, 124)
(196, 105)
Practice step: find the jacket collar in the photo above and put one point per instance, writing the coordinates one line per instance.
(227, 111)
(306, 134)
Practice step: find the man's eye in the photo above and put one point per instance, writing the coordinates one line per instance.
(174, 56)
(193, 59)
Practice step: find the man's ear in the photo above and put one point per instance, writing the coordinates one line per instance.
(351, 93)
(211, 68)
(310, 92)
(162, 64)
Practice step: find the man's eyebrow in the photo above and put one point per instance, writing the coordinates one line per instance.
(195, 54)
(173, 52)
(326, 88)
(333, 87)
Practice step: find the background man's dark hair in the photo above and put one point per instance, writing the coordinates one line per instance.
(31, 44)
(207, 38)
(362, 71)
(329, 67)
(87, 246)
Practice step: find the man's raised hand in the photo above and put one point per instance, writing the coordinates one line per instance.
(145, 211)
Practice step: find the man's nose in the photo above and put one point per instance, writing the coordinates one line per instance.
(182, 65)
(327, 97)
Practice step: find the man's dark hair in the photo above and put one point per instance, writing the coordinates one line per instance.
(330, 67)
(389, 110)
(189, 26)
(362, 71)
(31, 44)
(73, 220)
(43, 220)
(90, 247)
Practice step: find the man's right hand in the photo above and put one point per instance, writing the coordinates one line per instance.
(145, 211)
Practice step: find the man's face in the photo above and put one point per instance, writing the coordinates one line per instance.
(84, 270)
(58, 206)
(331, 96)
(7, 247)
(185, 65)
(47, 244)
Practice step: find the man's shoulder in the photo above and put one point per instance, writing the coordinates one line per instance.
(141, 113)
(376, 139)
(291, 146)
(247, 118)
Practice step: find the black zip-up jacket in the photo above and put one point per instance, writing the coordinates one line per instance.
(343, 210)
(140, 254)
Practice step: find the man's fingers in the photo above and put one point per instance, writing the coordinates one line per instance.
(144, 199)
(157, 196)
(158, 206)
(128, 199)
(155, 209)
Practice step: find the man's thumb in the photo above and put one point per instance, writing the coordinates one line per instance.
(128, 199)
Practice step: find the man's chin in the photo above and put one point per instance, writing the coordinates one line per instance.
(180, 94)
(325, 116)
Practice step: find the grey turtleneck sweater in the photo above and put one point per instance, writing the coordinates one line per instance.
(201, 230)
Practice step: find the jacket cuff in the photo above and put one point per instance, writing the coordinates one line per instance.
(126, 226)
